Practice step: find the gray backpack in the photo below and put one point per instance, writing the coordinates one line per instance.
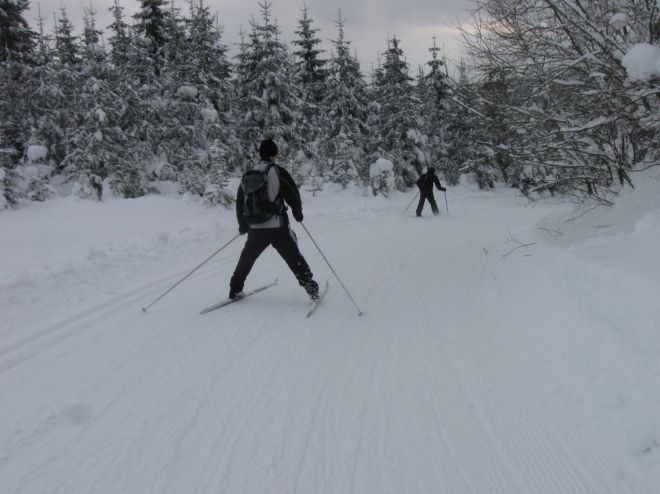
(257, 207)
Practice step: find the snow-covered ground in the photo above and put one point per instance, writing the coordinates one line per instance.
(506, 348)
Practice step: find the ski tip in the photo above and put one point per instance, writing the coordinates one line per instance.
(144, 309)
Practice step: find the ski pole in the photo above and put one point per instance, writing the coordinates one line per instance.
(413, 200)
(144, 309)
(331, 268)
(446, 203)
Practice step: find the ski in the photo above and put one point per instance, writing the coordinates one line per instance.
(219, 305)
(318, 300)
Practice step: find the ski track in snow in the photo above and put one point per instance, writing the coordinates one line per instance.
(444, 385)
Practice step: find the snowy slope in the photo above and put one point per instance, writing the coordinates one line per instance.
(480, 365)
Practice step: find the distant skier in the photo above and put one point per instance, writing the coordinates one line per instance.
(261, 213)
(425, 184)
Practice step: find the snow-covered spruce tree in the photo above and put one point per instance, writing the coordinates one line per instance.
(344, 148)
(433, 88)
(91, 39)
(463, 120)
(311, 68)
(151, 25)
(100, 146)
(43, 50)
(16, 56)
(4, 185)
(311, 76)
(120, 38)
(214, 71)
(400, 132)
(55, 90)
(209, 56)
(66, 43)
(495, 135)
(176, 136)
(268, 104)
(243, 70)
(198, 140)
(79, 145)
(151, 22)
(16, 37)
(9, 194)
(39, 89)
(135, 109)
(174, 50)
(374, 147)
(583, 124)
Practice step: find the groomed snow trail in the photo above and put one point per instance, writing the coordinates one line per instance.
(466, 373)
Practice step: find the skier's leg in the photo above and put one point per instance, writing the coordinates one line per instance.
(285, 243)
(434, 205)
(256, 243)
(420, 205)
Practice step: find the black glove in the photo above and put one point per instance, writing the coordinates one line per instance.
(443, 189)
(242, 229)
(298, 215)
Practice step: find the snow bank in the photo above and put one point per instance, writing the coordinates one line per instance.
(642, 61)
(619, 21)
(209, 115)
(44, 239)
(381, 177)
(101, 115)
(382, 165)
(32, 172)
(36, 152)
(416, 136)
(622, 289)
(162, 170)
(188, 92)
(84, 187)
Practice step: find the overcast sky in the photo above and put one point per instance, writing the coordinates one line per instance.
(368, 22)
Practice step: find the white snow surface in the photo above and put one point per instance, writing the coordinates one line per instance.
(101, 115)
(209, 115)
(37, 152)
(642, 61)
(381, 165)
(619, 20)
(188, 92)
(506, 348)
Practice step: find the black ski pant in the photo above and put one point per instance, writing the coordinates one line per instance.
(284, 242)
(424, 196)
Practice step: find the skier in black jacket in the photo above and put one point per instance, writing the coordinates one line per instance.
(425, 184)
(275, 231)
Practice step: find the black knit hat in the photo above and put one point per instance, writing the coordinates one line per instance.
(267, 149)
(431, 170)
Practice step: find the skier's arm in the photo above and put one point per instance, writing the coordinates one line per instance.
(290, 193)
(242, 225)
(438, 184)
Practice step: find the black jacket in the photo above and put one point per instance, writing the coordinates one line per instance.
(426, 181)
(288, 191)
